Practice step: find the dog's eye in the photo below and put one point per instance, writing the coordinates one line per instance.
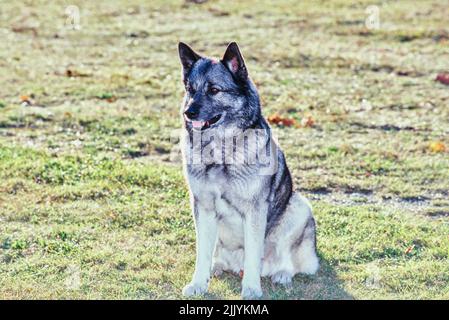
(214, 90)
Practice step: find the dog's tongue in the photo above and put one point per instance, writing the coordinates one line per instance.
(197, 124)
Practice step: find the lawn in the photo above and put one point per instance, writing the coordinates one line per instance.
(93, 204)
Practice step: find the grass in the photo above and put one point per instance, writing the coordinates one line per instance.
(92, 199)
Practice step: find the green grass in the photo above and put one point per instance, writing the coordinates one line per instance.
(92, 199)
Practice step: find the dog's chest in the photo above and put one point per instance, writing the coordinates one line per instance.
(228, 193)
(223, 181)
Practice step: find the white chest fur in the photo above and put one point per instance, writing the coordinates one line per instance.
(228, 198)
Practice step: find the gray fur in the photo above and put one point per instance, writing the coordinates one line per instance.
(239, 205)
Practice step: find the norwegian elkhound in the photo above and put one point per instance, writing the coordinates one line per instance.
(247, 216)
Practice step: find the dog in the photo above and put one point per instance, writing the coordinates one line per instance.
(247, 216)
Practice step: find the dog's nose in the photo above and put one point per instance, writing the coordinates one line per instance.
(191, 113)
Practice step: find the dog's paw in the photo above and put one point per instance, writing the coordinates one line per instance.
(251, 292)
(217, 269)
(282, 277)
(194, 289)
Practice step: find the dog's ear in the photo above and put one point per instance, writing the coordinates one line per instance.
(233, 60)
(188, 57)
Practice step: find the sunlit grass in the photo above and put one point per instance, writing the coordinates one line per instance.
(92, 199)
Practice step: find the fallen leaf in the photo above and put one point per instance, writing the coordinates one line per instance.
(288, 122)
(278, 120)
(308, 122)
(409, 249)
(111, 99)
(437, 146)
(23, 29)
(74, 73)
(26, 100)
(274, 118)
(443, 78)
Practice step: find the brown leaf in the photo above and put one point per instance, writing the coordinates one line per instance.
(443, 78)
(74, 73)
(437, 146)
(26, 100)
(409, 249)
(278, 120)
(274, 118)
(24, 29)
(308, 122)
(288, 122)
(111, 99)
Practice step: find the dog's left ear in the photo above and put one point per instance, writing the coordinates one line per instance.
(188, 57)
(233, 60)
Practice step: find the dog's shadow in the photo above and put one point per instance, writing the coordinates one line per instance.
(324, 285)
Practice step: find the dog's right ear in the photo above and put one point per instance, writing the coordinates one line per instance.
(188, 57)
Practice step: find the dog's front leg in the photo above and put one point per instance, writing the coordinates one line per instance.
(254, 230)
(206, 237)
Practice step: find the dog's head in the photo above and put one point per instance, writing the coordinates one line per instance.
(218, 93)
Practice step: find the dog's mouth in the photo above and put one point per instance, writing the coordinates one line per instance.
(204, 125)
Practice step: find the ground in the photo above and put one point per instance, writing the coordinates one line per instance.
(92, 199)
